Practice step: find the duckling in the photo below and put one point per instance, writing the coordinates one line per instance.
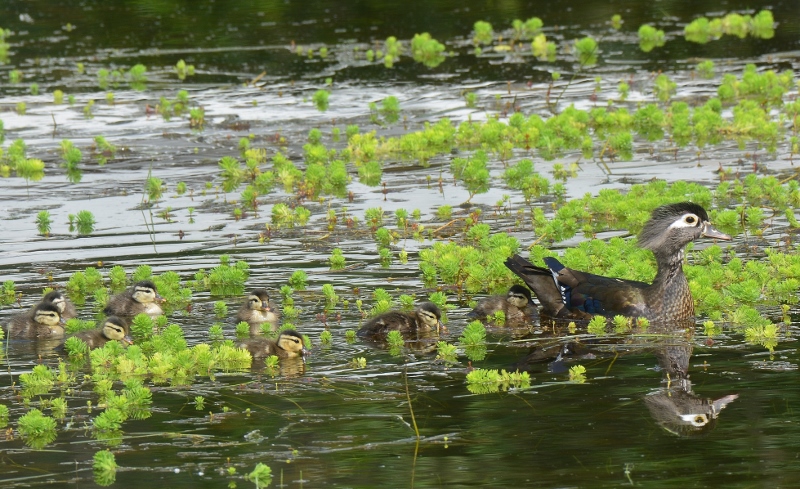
(43, 321)
(258, 310)
(516, 305)
(288, 345)
(113, 329)
(424, 318)
(65, 307)
(141, 298)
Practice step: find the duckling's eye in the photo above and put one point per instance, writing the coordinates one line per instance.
(690, 219)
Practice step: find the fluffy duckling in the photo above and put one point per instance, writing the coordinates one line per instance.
(288, 345)
(258, 310)
(141, 298)
(424, 318)
(65, 307)
(113, 329)
(43, 321)
(516, 305)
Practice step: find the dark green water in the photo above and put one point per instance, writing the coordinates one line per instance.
(329, 424)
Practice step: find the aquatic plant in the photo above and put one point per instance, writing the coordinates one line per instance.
(261, 476)
(483, 33)
(577, 374)
(474, 334)
(446, 352)
(137, 76)
(31, 169)
(3, 415)
(8, 294)
(43, 223)
(487, 381)
(104, 467)
(337, 260)
(320, 99)
(105, 150)
(587, 51)
(183, 70)
(36, 429)
(427, 50)
(650, 37)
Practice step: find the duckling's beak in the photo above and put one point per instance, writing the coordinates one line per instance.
(265, 306)
(710, 232)
(304, 352)
(127, 340)
(160, 299)
(440, 328)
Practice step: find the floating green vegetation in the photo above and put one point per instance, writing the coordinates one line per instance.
(43, 223)
(427, 50)
(586, 49)
(137, 77)
(8, 294)
(183, 70)
(320, 99)
(650, 37)
(261, 476)
(527, 29)
(226, 279)
(83, 222)
(36, 429)
(577, 374)
(446, 352)
(104, 467)
(104, 150)
(473, 172)
(487, 381)
(483, 33)
(703, 30)
(71, 157)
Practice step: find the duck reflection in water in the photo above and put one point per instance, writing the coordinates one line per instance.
(675, 406)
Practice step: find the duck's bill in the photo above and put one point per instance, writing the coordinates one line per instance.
(127, 340)
(710, 232)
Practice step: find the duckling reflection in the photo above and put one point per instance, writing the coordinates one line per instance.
(424, 319)
(42, 322)
(258, 310)
(517, 305)
(141, 298)
(65, 307)
(113, 329)
(675, 407)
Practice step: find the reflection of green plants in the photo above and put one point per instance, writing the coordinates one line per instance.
(446, 352)
(337, 260)
(183, 70)
(487, 381)
(261, 476)
(577, 374)
(587, 51)
(650, 37)
(83, 221)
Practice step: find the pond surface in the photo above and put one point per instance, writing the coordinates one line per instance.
(329, 422)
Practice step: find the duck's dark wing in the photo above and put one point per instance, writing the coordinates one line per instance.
(563, 291)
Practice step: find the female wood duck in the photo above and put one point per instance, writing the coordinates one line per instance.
(516, 305)
(65, 307)
(141, 298)
(41, 322)
(258, 310)
(567, 293)
(113, 329)
(424, 318)
(288, 345)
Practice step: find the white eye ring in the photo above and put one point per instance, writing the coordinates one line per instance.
(695, 419)
(687, 220)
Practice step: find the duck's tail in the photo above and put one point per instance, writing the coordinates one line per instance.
(542, 282)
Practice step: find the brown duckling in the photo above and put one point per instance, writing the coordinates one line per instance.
(113, 329)
(141, 298)
(43, 321)
(258, 310)
(516, 305)
(288, 345)
(65, 307)
(424, 318)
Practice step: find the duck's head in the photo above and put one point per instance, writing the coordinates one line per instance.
(145, 292)
(673, 226)
(57, 298)
(47, 314)
(429, 316)
(258, 300)
(292, 342)
(519, 296)
(115, 328)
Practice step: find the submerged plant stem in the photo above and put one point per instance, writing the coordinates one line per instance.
(411, 408)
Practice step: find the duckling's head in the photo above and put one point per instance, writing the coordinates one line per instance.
(429, 316)
(519, 296)
(673, 226)
(258, 300)
(47, 314)
(57, 298)
(115, 328)
(145, 292)
(292, 343)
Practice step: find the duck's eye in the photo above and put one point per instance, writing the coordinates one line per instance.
(690, 219)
